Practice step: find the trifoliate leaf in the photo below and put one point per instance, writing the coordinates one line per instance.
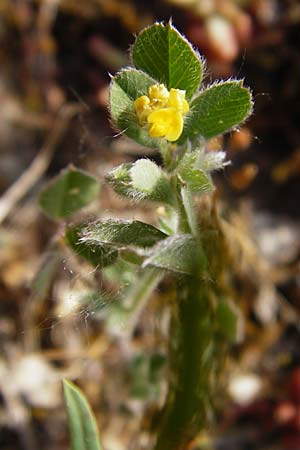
(162, 52)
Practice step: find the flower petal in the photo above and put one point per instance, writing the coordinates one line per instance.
(177, 100)
(159, 93)
(166, 122)
(163, 110)
(140, 103)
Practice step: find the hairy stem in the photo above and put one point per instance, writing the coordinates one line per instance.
(192, 366)
(195, 350)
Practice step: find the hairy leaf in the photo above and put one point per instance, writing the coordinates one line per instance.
(162, 52)
(180, 253)
(197, 179)
(122, 233)
(98, 256)
(217, 109)
(126, 86)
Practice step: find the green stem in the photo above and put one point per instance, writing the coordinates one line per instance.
(195, 350)
(166, 154)
(192, 367)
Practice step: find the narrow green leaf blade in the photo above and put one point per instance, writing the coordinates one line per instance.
(162, 52)
(122, 233)
(126, 86)
(70, 191)
(82, 423)
(97, 255)
(180, 253)
(217, 109)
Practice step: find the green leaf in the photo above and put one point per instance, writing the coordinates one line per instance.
(126, 86)
(227, 320)
(97, 255)
(82, 423)
(162, 52)
(68, 192)
(180, 253)
(122, 233)
(216, 110)
(197, 180)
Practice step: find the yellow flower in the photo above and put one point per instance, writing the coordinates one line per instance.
(142, 108)
(162, 112)
(166, 122)
(159, 95)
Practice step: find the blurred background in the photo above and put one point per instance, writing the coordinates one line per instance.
(56, 57)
